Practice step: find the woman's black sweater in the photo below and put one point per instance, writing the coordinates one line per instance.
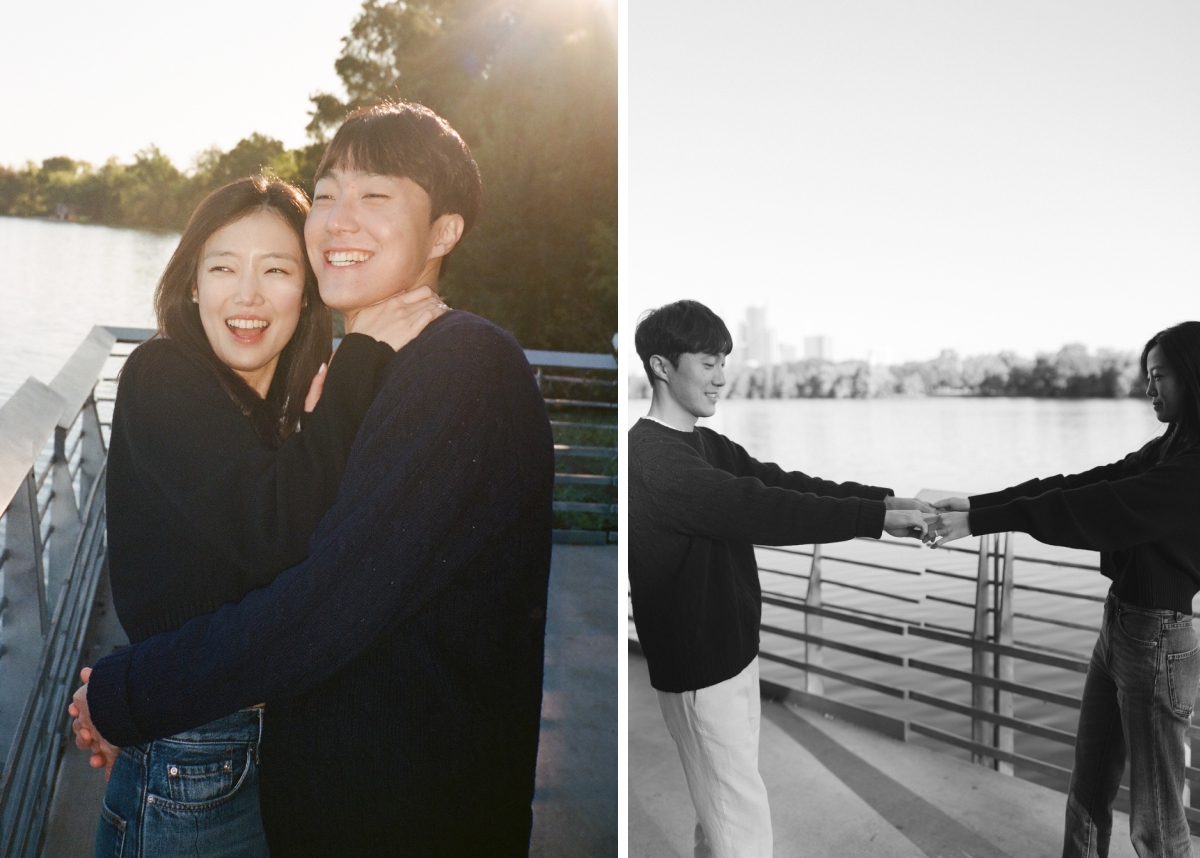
(200, 509)
(1144, 521)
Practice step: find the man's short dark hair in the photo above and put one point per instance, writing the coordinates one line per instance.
(410, 141)
(685, 327)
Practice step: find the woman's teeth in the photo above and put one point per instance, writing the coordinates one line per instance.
(340, 258)
(247, 324)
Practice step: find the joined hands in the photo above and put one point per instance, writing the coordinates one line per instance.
(87, 737)
(934, 524)
(953, 522)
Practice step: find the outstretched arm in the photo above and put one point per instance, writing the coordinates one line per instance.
(770, 474)
(454, 454)
(1097, 516)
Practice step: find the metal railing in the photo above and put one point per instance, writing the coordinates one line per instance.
(52, 456)
(902, 644)
(580, 393)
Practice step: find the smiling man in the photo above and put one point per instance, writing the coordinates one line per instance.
(402, 661)
(697, 505)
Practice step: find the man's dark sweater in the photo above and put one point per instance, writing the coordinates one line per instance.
(1144, 519)
(402, 661)
(201, 510)
(697, 504)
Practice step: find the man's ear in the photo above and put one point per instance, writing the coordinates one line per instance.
(658, 366)
(446, 231)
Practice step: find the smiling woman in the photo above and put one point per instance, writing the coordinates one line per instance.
(250, 290)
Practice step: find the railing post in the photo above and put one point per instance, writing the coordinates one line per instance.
(91, 447)
(980, 696)
(813, 625)
(1005, 665)
(26, 620)
(64, 518)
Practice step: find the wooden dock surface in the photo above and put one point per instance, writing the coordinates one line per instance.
(838, 790)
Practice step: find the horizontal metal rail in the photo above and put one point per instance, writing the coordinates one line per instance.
(848, 560)
(585, 452)
(848, 678)
(567, 424)
(584, 480)
(575, 506)
(882, 593)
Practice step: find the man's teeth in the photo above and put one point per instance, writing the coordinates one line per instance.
(248, 324)
(346, 257)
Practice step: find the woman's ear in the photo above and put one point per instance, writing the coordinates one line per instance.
(446, 232)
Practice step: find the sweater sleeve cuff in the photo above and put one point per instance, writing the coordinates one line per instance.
(877, 493)
(987, 499)
(360, 350)
(992, 519)
(108, 700)
(870, 518)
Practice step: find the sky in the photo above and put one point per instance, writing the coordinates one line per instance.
(96, 80)
(909, 177)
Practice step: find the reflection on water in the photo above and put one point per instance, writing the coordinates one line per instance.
(59, 279)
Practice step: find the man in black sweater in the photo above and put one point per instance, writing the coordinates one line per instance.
(402, 661)
(697, 504)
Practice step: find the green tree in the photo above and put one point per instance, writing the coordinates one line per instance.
(531, 86)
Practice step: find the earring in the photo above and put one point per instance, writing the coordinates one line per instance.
(195, 298)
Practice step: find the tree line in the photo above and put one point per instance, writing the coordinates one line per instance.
(1070, 373)
(532, 87)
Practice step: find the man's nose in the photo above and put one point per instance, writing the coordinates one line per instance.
(343, 216)
(719, 377)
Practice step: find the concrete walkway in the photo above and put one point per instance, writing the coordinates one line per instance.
(839, 790)
(575, 806)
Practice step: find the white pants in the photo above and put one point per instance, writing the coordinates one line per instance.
(716, 732)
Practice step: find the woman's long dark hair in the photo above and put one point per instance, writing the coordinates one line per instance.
(278, 415)
(1180, 346)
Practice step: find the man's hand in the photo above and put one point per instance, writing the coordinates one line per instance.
(893, 502)
(948, 527)
(87, 737)
(952, 505)
(907, 522)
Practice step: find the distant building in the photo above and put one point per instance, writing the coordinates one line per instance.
(818, 348)
(757, 340)
(787, 353)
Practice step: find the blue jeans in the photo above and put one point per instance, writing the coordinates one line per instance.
(1137, 702)
(195, 793)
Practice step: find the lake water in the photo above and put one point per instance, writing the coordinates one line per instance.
(960, 444)
(57, 280)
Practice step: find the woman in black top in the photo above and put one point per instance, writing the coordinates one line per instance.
(228, 442)
(1143, 515)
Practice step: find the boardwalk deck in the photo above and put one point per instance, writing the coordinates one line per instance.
(840, 790)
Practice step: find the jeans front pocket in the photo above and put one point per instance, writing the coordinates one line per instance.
(1141, 629)
(1183, 675)
(110, 834)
